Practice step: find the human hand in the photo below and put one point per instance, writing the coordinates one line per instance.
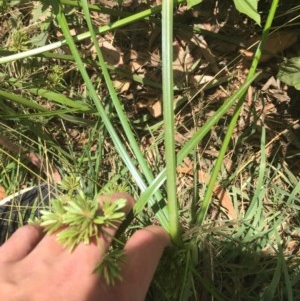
(35, 267)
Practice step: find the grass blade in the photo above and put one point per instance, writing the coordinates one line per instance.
(162, 215)
(192, 143)
(207, 198)
(116, 140)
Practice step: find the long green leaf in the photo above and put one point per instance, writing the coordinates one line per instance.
(207, 198)
(169, 120)
(162, 214)
(249, 8)
(21, 100)
(114, 136)
(192, 143)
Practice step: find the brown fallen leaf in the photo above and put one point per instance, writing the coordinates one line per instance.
(122, 85)
(275, 44)
(219, 192)
(154, 106)
(155, 109)
(293, 247)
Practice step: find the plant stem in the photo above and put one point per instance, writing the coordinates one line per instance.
(169, 123)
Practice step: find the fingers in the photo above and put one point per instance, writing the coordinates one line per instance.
(91, 254)
(143, 250)
(49, 247)
(21, 243)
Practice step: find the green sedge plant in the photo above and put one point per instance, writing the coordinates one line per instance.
(77, 211)
(169, 218)
(172, 223)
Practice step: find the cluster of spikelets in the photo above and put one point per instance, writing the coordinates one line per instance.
(80, 219)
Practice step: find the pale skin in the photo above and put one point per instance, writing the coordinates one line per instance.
(35, 267)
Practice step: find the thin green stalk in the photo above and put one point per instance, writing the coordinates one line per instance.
(285, 271)
(270, 291)
(99, 8)
(254, 211)
(86, 35)
(207, 198)
(21, 100)
(90, 62)
(162, 214)
(169, 120)
(116, 140)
